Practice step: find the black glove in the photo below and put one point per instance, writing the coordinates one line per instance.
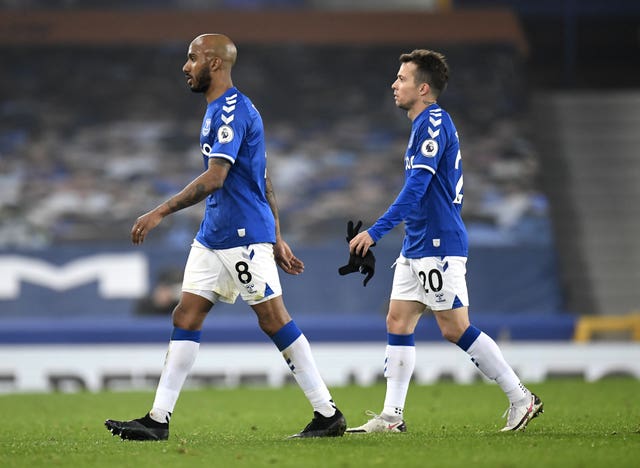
(365, 265)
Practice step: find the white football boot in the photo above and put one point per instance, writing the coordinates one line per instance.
(377, 423)
(518, 416)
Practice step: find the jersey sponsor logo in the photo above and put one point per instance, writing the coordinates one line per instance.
(225, 134)
(206, 128)
(207, 149)
(429, 148)
(409, 164)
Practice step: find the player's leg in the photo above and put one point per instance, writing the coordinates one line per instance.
(399, 363)
(455, 326)
(484, 352)
(275, 321)
(486, 355)
(202, 272)
(188, 318)
(256, 275)
(400, 357)
(405, 309)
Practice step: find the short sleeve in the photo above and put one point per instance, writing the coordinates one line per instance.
(230, 126)
(430, 142)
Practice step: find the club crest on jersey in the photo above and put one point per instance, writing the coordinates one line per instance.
(206, 128)
(225, 134)
(429, 148)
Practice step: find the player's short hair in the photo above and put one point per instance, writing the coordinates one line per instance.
(432, 68)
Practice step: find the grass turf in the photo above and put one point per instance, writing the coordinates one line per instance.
(584, 425)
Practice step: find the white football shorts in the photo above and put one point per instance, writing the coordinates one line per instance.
(437, 282)
(220, 275)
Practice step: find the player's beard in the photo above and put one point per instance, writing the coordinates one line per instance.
(201, 82)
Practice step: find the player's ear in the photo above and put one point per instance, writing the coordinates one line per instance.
(215, 63)
(424, 89)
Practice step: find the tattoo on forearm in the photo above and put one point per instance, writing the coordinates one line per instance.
(271, 197)
(190, 196)
(273, 204)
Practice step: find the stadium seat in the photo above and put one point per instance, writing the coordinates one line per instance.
(589, 327)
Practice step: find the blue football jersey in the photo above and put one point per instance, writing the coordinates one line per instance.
(435, 227)
(430, 202)
(238, 213)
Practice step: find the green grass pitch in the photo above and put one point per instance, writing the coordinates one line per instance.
(449, 425)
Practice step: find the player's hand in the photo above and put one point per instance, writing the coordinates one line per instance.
(285, 258)
(365, 263)
(361, 243)
(143, 225)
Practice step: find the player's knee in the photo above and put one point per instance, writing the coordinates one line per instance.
(392, 323)
(451, 333)
(449, 336)
(268, 326)
(270, 323)
(272, 317)
(398, 324)
(186, 319)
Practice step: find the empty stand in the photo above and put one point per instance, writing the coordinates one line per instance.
(588, 145)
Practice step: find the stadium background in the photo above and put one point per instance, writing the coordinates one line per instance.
(97, 127)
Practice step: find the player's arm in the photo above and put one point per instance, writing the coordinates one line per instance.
(281, 250)
(411, 193)
(196, 191)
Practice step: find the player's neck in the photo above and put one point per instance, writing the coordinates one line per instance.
(215, 92)
(416, 110)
